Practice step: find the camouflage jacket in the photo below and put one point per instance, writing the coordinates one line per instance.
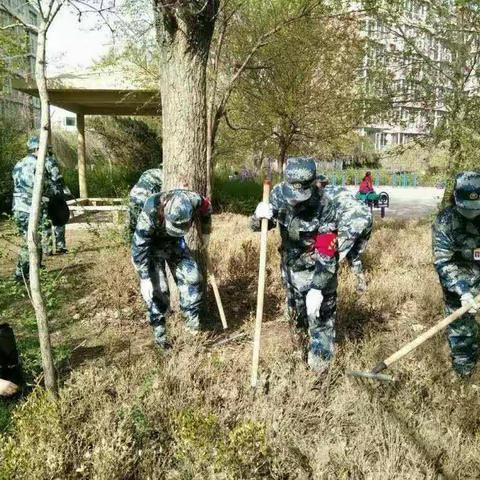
(298, 229)
(151, 233)
(353, 216)
(456, 245)
(52, 169)
(23, 179)
(150, 182)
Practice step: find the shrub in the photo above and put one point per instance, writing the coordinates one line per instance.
(235, 196)
(12, 148)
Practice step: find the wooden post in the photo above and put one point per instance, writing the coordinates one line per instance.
(82, 157)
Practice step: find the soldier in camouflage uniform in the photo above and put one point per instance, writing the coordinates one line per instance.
(159, 238)
(355, 223)
(23, 179)
(456, 251)
(150, 182)
(308, 225)
(52, 168)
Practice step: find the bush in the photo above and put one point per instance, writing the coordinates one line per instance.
(127, 141)
(12, 148)
(235, 196)
(104, 180)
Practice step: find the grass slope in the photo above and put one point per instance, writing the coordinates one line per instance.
(128, 412)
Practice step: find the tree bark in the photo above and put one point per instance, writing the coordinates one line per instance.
(184, 33)
(33, 238)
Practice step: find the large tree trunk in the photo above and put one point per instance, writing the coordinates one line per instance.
(32, 236)
(184, 33)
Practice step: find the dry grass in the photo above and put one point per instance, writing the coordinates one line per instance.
(127, 412)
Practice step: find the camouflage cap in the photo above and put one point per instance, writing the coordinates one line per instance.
(467, 190)
(33, 143)
(300, 173)
(178, 214)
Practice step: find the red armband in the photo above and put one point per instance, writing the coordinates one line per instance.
(326, 244)
(205, 207)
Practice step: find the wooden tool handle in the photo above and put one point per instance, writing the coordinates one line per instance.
(218, 299)
(406, 349)
(261, 289)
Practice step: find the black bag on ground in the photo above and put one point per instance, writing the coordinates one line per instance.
(10, 368)
(58, 211)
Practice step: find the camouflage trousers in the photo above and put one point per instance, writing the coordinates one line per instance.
(321, 329)
(21, 219)
(48, 235)
(188, 278)
(462, 336)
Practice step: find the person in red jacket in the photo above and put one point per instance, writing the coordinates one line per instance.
(367, 184)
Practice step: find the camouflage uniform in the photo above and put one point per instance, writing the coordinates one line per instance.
(354, 225)
(23, 179)
(52, 169)
(456, 239)
(158, 239)
(150, 182)
(302, 266)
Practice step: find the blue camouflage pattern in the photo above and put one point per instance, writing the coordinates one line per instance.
(355, 223)
(33, 143)
(153, 248)
(455, 239)
(150, 182)
(467, 190)
(52, 169)
(21, 219)
(302, 267)
(23, 176)
(299, 176)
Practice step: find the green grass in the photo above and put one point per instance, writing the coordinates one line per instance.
(104, 180)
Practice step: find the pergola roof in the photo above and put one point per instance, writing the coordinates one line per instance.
(97, 93)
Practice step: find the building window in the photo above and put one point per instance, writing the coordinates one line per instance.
(70, 121)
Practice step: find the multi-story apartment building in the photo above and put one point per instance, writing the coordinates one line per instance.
(409, 117)
(24, 17)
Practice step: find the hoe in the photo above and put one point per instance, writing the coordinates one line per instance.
(406, 349)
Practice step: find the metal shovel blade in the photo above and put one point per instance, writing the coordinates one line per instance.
(373, 376)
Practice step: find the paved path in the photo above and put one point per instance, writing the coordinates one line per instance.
(410, 202)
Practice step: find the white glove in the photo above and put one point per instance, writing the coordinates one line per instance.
(314, 302)
(468, 299)
(205, 240)
(7, 389)
(146, 287)
(264, 210)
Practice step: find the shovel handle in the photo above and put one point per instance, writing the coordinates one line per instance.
(213, 283)
(406, 349)
(260, 289)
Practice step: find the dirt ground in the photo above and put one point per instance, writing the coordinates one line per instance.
(127, 411)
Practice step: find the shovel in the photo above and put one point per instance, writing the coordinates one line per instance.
(260, 289)
(213, 283)
(406, 349)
